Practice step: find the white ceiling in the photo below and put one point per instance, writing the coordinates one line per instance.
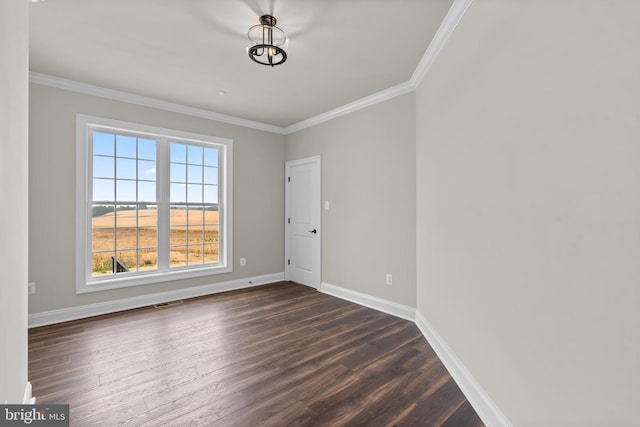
(186, 51)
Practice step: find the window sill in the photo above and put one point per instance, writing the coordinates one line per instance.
(149, 278)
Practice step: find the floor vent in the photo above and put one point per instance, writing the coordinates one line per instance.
(167, 304)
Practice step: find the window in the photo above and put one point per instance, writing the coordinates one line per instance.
(152, 204)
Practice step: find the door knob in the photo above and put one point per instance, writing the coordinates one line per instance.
(314, 231)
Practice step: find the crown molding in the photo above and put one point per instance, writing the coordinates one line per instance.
(445, 31)
(449, 24)
(368, 101)
(88, 89)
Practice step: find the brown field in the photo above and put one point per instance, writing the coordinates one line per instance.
(193, 239)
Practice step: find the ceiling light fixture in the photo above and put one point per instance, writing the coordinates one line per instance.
(267, 42)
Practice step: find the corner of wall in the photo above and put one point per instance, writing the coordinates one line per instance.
(486, 409)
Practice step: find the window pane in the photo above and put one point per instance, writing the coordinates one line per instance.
(210, 175)
(101, 263)
(178, 193)
(147, 237)
(195, 234)
(194, 155)
(102, 239)
(103, 167)
(194, 174)
(146, 170)
(211, 194)
(211, 234)
(178, 215)
(125, 168)
(211, 253)
(126, 216)
(125, 191)
(128, 259)
(211, 215)
(103, 216)
(178, 153)
(194, 193)
(126, 238)
(146, 191)
(195, 255)
(125, 146)
(178, 172)
(211, 156)
(178, 235)
(178, 256)
(148, 259)
(146, 149)
(196, 216)
(103, 143)
(103, 189)
(148, 217)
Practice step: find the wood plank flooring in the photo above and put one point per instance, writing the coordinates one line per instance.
(275, 355)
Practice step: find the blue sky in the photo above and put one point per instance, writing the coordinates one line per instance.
(116, 170)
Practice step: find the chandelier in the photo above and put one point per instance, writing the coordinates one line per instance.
(267, 42)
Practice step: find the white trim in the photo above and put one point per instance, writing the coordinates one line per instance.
(28, 398)
(445, 31)
(80, 312)
(443, 34)
(389, 307)
(88, 89)
(82, 195)
(317, 273)
(486, 409)
(84, 281)
(368, 101)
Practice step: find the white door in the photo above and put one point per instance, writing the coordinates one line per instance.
(302, 221)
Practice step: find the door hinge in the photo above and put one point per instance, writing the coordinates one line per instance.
(288, 262)
(288, 179)
(288, 220)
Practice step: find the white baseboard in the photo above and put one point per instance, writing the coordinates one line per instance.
(28, 399)
(389, 307)
(80, 312)
(486, 409)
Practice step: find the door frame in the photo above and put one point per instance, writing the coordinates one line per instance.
(287, 198)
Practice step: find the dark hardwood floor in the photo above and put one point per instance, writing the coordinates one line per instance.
(275, 355)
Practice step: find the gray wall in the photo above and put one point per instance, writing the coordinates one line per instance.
(14, 66)
(258, 209)
(528, 209)
(368, 176)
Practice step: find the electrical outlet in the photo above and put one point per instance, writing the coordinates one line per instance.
(243, 262)
(389, 279)
(32, 288)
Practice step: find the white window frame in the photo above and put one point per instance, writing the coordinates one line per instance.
(85, 282)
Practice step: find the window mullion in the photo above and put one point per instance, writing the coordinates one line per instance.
(162, 189)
